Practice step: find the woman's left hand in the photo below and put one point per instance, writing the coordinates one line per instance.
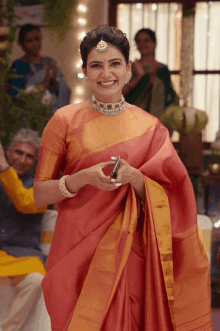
(125, 174)
(129, 175)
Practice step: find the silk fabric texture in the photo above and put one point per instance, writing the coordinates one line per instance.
(86, 287)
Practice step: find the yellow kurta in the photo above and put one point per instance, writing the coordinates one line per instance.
(24, 202)
(16, 266)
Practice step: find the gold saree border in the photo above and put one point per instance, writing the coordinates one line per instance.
(99, 134)
(105, 270)
(94, 300)
(159, 231)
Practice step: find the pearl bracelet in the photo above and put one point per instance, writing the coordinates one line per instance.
(63, 189)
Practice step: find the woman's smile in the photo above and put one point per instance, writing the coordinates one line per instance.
(107, 73)
(107, 84)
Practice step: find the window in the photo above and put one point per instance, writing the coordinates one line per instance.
(166, 20)
(163, 18)
(206, 85)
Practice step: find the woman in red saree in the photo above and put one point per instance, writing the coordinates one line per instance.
(127, 255)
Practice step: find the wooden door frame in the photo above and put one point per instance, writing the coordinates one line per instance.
(112, 18)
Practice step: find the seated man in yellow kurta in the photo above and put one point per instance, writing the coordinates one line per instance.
(21, 258)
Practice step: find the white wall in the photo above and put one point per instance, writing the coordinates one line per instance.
(67, 52)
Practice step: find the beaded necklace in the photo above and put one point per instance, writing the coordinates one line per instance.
(110, 109)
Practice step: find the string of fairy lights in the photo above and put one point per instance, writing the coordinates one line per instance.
(81, 22)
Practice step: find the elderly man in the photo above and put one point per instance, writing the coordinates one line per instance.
(21, 258)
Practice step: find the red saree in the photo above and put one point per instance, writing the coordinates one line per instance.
(90, 284)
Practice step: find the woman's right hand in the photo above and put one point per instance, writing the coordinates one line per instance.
(51, 72)
(139, 68)
(50, 76)
(97, 177)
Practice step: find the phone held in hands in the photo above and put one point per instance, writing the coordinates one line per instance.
(115, 168)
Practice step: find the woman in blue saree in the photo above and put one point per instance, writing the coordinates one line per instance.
(34, 71)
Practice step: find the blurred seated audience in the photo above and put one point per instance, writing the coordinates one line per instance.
(34, 70)
(21, 258)
(150, 87)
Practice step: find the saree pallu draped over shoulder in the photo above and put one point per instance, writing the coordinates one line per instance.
(88, 284)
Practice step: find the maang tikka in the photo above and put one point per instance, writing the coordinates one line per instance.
(102, 46)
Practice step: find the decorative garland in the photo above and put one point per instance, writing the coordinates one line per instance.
(59, 15)
(189, 8)
(7, 38)
(188, 12)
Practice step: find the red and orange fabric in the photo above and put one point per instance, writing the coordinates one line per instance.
(113, 265)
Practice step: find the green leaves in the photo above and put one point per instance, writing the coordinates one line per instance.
(23, 111)
(58, 15)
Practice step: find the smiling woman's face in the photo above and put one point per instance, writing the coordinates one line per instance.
(145, 45)
(107, 73)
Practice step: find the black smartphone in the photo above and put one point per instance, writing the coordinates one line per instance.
(115, 168)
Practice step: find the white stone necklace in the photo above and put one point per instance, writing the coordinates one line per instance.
(109, 109)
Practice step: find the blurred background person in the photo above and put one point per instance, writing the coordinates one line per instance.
(150, 87)
(34, 70)
(21, 258)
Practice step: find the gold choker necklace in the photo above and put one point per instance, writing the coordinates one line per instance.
(109, 109)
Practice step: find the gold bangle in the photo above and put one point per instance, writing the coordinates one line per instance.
(63, 189)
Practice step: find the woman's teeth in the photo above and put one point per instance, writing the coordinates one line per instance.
(107, 83)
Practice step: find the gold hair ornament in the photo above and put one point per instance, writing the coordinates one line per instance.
(102, 46)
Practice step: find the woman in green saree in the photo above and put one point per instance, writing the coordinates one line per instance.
(150, 87)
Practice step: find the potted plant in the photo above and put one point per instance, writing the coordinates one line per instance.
(184, 119)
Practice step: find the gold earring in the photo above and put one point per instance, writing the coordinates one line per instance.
(128, 77)
(87, 80)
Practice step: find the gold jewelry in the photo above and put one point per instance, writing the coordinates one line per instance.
(63, 189)
(109, 109)
(102, 46)
(87, 80)
(128, 76)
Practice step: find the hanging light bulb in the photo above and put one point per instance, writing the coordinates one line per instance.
(82, 35)
(79, 90)
(77, 101)
(139, 5)
(79, 64)
(154, 6)
(82, 8)
(175, 6)
(82, 21)
(80, 75)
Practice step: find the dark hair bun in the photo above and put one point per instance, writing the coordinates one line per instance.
(111, 35)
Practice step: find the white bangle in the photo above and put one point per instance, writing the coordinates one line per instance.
(63, 189)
